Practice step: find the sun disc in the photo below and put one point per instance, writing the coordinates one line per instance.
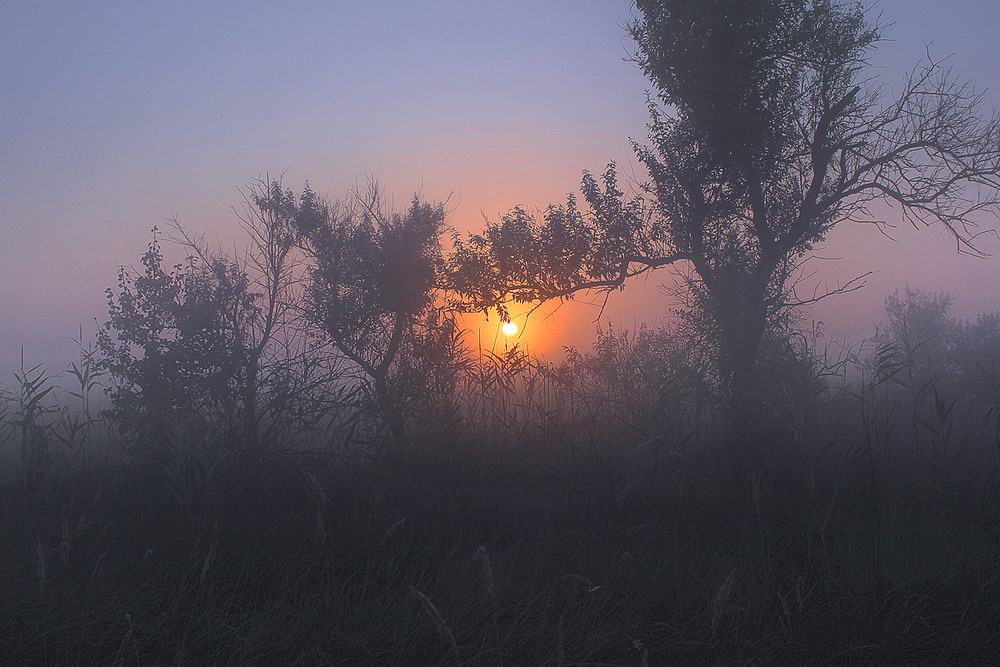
(509, 328)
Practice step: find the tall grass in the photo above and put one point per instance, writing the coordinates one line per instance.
(570, 514)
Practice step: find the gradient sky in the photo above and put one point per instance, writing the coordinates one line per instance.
(115, 117)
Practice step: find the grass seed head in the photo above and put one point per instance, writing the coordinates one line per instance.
(64, 545)
(211, 553)
(439, 622)
(391, 531)
(40, 565)
(722, 599)
(486, 572)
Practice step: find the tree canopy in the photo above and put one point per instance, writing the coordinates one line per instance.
(768, 128)
(373, 277)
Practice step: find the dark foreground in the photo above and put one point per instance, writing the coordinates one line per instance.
(300, 561)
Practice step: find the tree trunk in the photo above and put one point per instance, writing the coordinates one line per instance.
(740, 336)
(393, 419)
(156, 399)
(250, 430)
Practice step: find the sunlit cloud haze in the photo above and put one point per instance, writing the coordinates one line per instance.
(115, 117)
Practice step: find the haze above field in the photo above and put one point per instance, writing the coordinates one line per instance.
(116, 118)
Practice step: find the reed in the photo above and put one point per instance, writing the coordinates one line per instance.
(571, 515)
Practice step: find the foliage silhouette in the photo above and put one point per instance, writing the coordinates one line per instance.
(373, 279)
(582, 517)
(938, 371)
(171, 345)
(265, 337)
(214, 337)
(767, 130)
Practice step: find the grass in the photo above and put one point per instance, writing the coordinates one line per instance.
(555, 526)
(693, 571)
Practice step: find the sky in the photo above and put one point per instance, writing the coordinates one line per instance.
(118, 116)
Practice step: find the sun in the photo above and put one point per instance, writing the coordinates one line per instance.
(509, 329)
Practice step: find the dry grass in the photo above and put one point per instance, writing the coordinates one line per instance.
(553, 527)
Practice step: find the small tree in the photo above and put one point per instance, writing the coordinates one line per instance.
(169, 345)
(921, 333)
(266, 272)
(372, 282)
(207, 337)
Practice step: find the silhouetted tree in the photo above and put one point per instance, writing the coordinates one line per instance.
(937, 375)
(920, 332)
(372, 284)
(201, 337)
(170, 345)
(267, 265)
(768, 129)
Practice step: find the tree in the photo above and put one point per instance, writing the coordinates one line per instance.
(767, 130)
(372, 284)
(170, 345)
(200, 338)
(267, 266)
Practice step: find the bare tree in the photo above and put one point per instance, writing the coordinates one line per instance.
(264, 273)
(267, 217)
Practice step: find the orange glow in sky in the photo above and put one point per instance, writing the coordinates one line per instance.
(118, 118)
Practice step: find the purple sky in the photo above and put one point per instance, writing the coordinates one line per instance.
(115, 117)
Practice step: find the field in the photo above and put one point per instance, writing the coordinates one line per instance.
(856, 524)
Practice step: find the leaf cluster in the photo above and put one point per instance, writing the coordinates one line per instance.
(172, 342)
(526, 258)
(374, 272)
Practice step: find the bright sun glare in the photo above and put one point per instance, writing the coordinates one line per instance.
(509, 329)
